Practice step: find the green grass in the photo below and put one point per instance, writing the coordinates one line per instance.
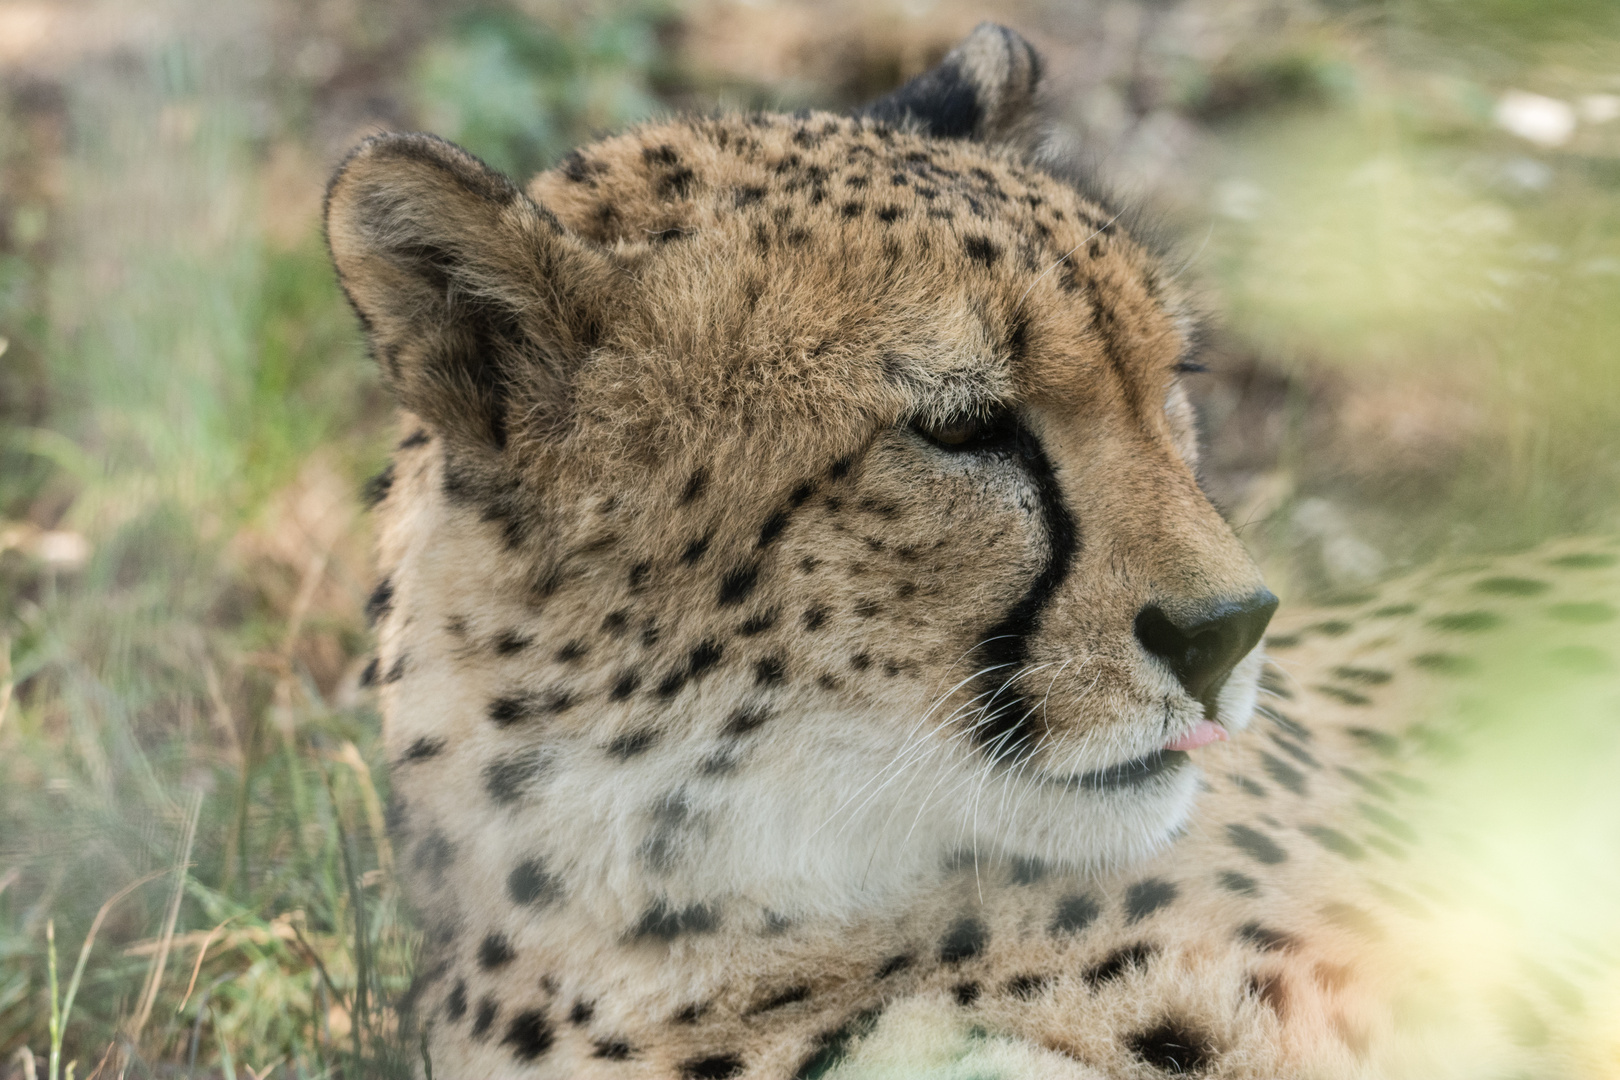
(190, 396)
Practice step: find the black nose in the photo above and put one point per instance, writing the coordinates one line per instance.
(1203, 646)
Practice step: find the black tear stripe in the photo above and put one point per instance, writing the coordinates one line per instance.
(1010, 728)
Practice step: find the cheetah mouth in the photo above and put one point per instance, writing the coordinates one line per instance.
(1128, 774)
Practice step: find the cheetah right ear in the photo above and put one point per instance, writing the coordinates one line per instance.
(479, 305)
(984, 89)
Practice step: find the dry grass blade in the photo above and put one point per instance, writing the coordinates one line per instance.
(202, 953)
(350, 756)
(155, 977)
(90, 940)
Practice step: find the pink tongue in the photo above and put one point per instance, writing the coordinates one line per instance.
(1206, 732)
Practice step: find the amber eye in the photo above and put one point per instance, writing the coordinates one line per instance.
(968, 432)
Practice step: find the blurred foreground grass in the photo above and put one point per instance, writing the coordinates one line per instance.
(1419, 358)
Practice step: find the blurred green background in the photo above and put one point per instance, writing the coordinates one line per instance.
(1405, 212)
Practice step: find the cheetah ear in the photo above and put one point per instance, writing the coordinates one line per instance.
(984, 89)
(479, 305)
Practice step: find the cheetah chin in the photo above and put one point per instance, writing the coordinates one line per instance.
(803, 645)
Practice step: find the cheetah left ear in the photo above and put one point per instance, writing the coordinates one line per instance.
(984, 89)
(480, 306)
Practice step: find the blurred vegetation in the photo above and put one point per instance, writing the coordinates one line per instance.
(1417, 357)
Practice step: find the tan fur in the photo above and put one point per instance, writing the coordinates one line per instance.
(682, 627)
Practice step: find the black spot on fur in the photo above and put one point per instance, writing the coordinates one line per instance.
(1297, 752)
(1335, 841)
(433, 856)
(419, 437)
(717, 1067)
(1284, 773)
(1146, 897)
(571, 651)
(529, 1035)
(813, 618)
(1266, 939)
(781, 999)
(1379, 742)
(1349, 697)
(695, 486)
(1118, 963)
(773, 527)
(1074, 913)
(529, 885)
(612, 1050)
(1172, 1047)
(378, 487)
(616, 623)
(582, 1012)
(1242, 884)
(1248, 787)
(671, 684)
(510, 642)
(1256, 844)
(638, 575)
(965, 993)
(690, 1014)
(1585, 560)
(396, 672)
(894, 965)
(495, 951)
(505, 778)
(737, 584)
(831, 1047)
(629, 745)
(507, 711)
(758, 624)
(964, 940)
(705, 656)
(1028, 987)
(664, 923)
(1365, 782)
(770, 671)
(455, 1005)
(485, 1018)
(625, 684)
(695, 550)
(1467, 622)
(1443, 663)
(423, 748)
(746, 719)
(746, 196)
(1365, 676)
(368, 676)
(381, 601)
(981, 249)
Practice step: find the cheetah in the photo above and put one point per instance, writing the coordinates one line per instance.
(806, 651)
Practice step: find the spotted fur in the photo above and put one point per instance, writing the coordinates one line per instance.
(779, 565)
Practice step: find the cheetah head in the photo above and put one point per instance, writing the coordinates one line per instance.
(798, 503)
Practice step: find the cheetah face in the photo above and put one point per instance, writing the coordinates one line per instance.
(798, 502)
